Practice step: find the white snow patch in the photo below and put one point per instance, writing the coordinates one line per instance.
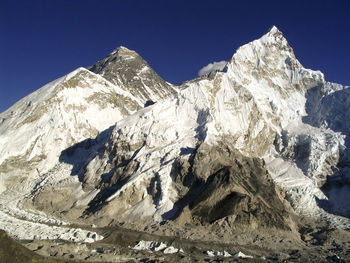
(240, 254)
(213, 253)
(154, 246)
(172, 250)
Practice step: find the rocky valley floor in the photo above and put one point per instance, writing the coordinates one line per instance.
(316, 243)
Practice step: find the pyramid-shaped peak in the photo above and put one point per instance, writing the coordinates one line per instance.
(273, 38)
(274, 30)
(274, 35)
(271, 47)
(123, 48)
(128, 70)
(124, 52)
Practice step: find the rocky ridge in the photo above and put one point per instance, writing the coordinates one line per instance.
(125, 68)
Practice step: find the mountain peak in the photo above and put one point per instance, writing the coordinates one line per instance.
(128, 70)
(272, 46)
(273, 36)
(124, 52)
(274, 30)
(123, 48)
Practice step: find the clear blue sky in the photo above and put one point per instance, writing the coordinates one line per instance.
(41, 40)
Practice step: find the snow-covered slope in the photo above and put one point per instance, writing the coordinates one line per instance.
(35, 131)
(231, 145)
(78, 106)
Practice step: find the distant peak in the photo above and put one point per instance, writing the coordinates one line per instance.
(124, 52)
(274, 35)
(274, 30)
(122, 47)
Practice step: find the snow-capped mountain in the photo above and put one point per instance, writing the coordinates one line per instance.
(66, 111)
(244, 147)
(35, 130)
(257, 109)
(126, 68)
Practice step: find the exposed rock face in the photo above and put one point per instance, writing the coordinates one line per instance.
(229, 147)
(222, 183)
(125, 68)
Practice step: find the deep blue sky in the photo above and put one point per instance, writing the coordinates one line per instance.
(41, 40)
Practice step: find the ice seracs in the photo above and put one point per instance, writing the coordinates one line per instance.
(154, 246)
